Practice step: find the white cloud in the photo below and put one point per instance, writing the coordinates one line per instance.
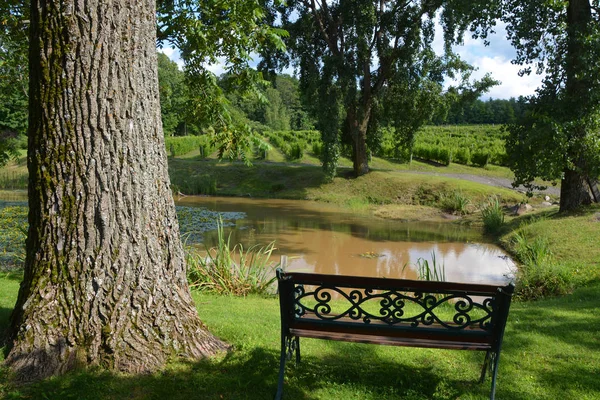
(173, 54)
(496, 60)
(501, 69)
(217, 68)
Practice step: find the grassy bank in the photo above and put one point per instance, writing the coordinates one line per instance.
(294, 181)
(550, 351)
(567, 246)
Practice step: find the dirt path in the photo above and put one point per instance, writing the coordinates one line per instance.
(491, 181)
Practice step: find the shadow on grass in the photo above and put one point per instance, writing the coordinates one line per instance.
(400, 377)
(555, 344)
(253, 375)
(243, 376)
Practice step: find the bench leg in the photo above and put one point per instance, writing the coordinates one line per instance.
(289, 346)
(486, 365)
(494, 374)
(297, 339)
(282, 360)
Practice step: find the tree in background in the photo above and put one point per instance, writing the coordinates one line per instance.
(225, 32)
(348, 52)
(13, 76)
(174, 97)
(411, 99)
(278, 108)
(491, 111)
(105, 278)
(559, 138)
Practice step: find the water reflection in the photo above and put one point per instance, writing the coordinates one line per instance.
(324, 239)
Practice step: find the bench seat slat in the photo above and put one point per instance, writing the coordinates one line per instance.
(430, 332)
(390, 340)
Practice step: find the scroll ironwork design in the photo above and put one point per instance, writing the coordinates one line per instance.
(393, 307)
(290, 347)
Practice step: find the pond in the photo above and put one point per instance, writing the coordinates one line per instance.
(321, 238)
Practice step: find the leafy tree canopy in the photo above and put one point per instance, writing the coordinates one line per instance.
(349, 53)
(559, 139)
(209, 32)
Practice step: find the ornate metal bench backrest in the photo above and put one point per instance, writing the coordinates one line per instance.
(384, 305)
(392, 311)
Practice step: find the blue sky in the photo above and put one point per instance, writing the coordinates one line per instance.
(495, 59)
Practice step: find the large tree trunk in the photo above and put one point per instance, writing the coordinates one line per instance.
(361, 160)
(358, 123)
(573, 191)
(105, 280)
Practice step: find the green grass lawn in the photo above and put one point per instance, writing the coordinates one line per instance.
(551, 351)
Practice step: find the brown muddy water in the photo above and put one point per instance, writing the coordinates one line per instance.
(325, 239)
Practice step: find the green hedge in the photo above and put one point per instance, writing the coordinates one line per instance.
(180, 145)
(433, 153)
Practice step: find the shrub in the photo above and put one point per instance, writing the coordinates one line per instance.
(493, 216)
(261, 151)
(444, 156)
(536, 281)
(317, 148)
(204, 184)
(296, 150)
(232, 271)
(499, 158)
(435, 153)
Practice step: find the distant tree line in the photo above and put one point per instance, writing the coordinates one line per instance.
(491, 111)
(277, 106)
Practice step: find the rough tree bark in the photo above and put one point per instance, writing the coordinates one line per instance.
(105, 281)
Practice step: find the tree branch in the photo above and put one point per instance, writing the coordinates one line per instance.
(312, 6)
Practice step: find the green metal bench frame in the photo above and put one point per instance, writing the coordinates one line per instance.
(310, 307)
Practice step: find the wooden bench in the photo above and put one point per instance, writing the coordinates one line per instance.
(396, 312)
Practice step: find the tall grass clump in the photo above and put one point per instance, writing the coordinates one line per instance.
(539, 275)
(433, 271)
(493, 216)
(535, 251)
(455, 202)
(232, 270)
